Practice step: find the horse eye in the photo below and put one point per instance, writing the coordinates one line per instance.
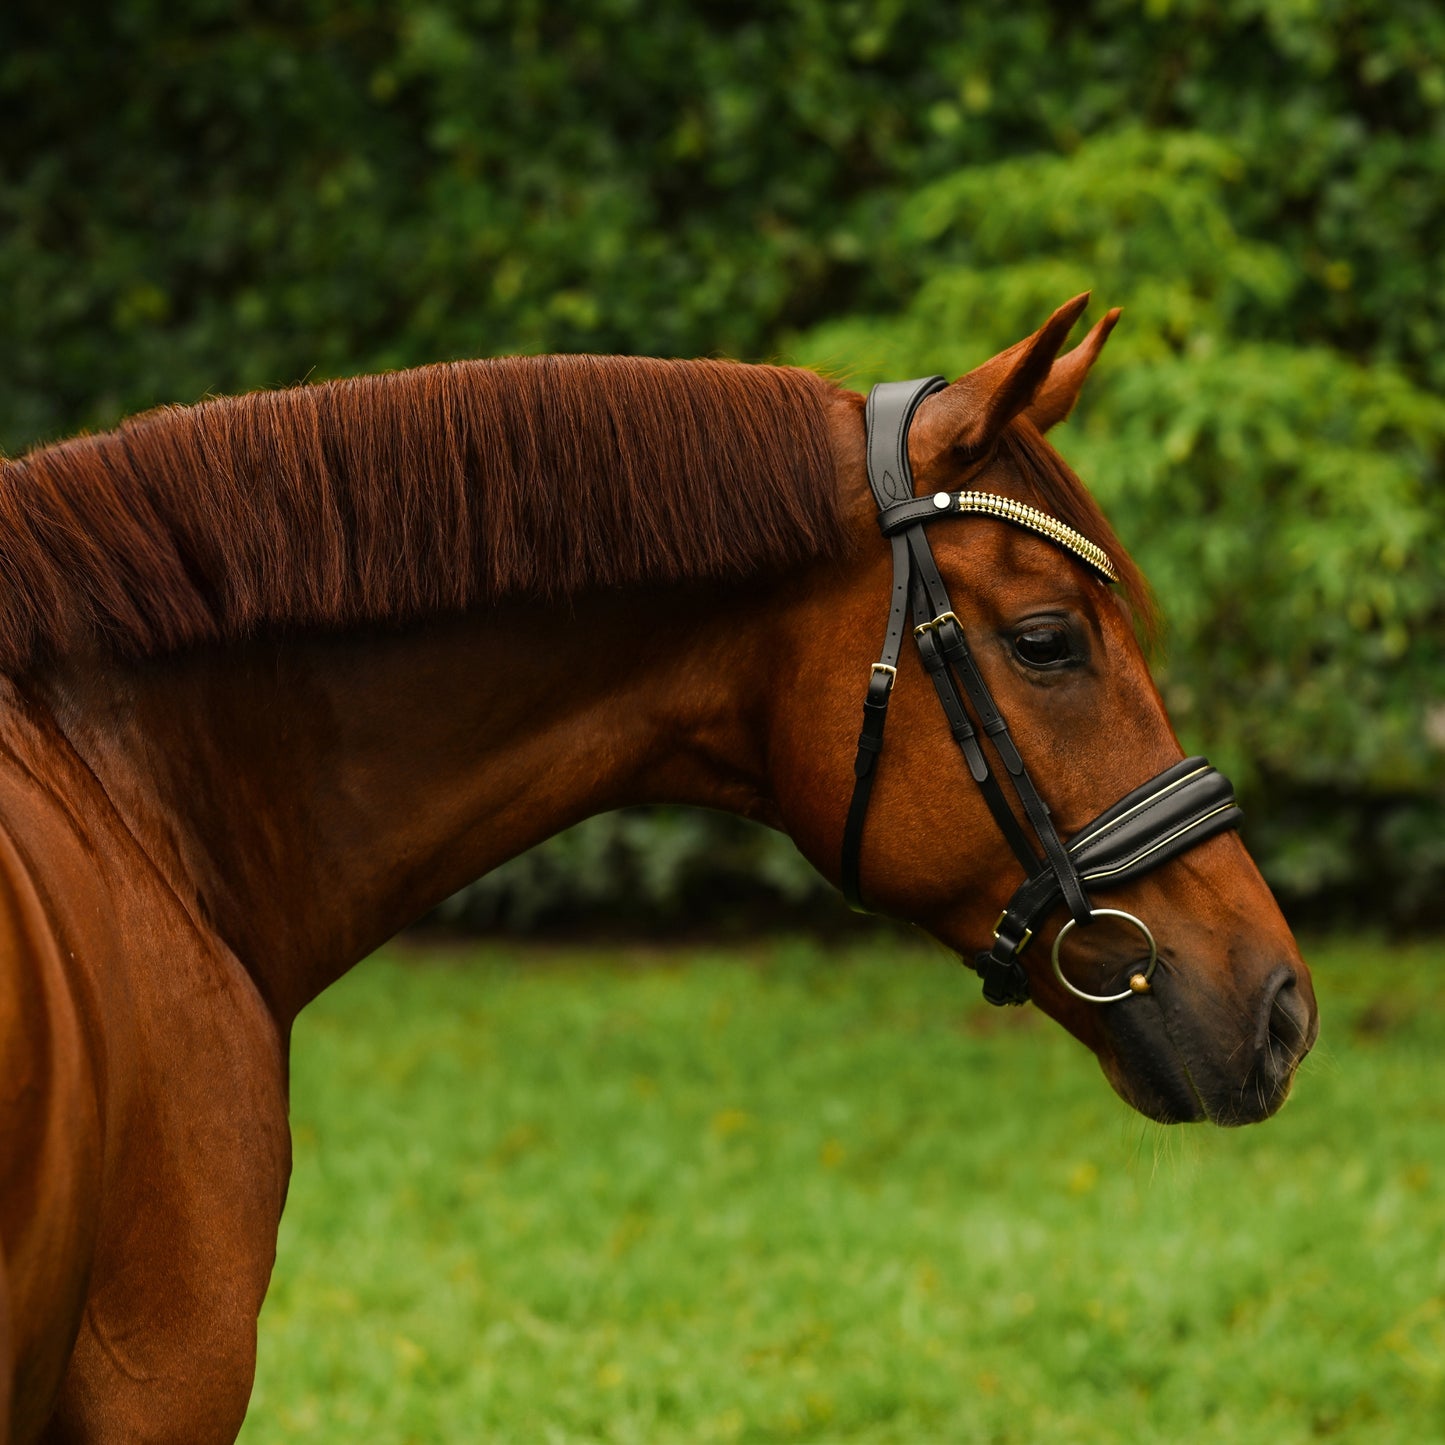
(1043, 646)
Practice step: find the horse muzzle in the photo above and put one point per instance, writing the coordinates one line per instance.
(1178, 1055)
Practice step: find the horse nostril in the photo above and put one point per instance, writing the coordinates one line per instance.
(1286, 1033)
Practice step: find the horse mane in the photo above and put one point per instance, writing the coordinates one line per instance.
(391, 497)
(1057, 489)
(386, 498)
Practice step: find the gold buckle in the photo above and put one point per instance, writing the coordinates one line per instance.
(937, 623)
(1028, 932)
(890, 672)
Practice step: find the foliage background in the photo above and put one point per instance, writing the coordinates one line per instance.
(202, 197)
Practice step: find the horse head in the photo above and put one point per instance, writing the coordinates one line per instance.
(1049, 789)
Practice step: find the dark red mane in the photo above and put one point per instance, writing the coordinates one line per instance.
(395, 496)
(391, 497)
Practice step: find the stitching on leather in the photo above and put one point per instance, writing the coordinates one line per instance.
(1139, 811)
(1175, 789)
(1100, 875)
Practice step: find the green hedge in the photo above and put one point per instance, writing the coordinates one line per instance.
(200, 197)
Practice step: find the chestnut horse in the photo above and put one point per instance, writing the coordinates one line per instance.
(278, 673)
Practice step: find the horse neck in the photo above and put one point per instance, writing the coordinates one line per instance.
(307, 798)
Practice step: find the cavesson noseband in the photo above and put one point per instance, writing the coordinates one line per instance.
(1181, 807)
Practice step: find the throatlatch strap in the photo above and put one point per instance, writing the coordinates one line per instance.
(870, 739)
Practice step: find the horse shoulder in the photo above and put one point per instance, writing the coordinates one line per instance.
(144, 1160)
(51, 1150)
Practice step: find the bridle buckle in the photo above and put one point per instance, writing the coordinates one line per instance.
(1019, 945)
(936, 623)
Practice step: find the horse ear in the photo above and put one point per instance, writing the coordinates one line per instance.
(1055, 399)
(965, 419)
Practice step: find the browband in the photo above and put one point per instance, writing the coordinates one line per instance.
(942, 504)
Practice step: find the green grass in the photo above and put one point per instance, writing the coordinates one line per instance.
(820, 1194)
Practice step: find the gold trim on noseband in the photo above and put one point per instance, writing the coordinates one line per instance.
(1023, 515)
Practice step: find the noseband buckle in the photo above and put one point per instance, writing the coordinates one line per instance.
(1017, 940)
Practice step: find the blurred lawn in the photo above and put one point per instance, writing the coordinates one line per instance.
(800, 1193)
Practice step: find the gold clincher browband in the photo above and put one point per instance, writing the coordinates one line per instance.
(896, 517)
(1023, 515)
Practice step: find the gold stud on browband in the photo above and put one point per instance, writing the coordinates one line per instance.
(1022, 515)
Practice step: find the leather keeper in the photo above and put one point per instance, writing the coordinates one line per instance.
(1004, 980)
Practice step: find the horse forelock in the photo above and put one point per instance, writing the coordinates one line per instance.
(386, 498)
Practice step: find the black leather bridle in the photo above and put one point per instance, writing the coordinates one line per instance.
(1172, 812)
